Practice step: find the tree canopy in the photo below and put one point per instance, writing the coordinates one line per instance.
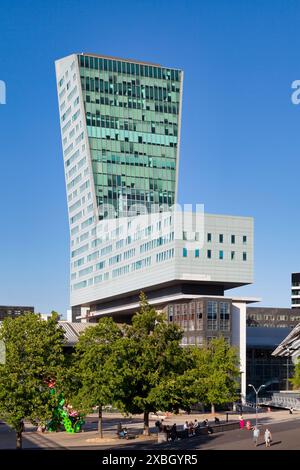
(33, 355)
(295, 380)
(148, 359)
(91, 377)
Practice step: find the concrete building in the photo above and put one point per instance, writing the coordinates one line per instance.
(295, 294)
(13, 311)
(120, 126)
(272, 317)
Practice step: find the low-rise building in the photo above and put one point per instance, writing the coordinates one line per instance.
(13, 311)
(272, 317)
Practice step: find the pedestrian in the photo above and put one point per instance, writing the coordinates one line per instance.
(159, 425)
(256, 433)
(186, 429)
(268, 437)
(191, 428)
(167, 430)
(242, 422)
(173, 433)
(291, 411)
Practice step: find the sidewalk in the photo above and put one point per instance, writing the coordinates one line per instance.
(90, 438)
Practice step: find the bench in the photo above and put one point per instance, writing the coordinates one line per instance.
(125, 436)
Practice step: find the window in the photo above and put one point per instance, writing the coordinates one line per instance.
(282, 318)
(244, 256)
(209, 237)
(221, 238)
(295, 292)
(184, 252)
(232, 255)
(224, 316)
(212, 310)
(197, 253)
(244, 238)
(170, 313)
(221, 254)
(184, 235)
(232, 239)
(209, 254)
(269, 317)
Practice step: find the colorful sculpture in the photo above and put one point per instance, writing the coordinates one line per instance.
(72, 421)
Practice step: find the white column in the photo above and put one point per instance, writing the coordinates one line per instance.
(239, 339)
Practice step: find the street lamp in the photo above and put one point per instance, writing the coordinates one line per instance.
(256, 395)
(287, 367)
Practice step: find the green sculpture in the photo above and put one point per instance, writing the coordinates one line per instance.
(72, 422)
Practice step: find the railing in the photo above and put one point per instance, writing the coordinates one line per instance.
(279, 400)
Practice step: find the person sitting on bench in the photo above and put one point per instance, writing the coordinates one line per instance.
(122, 432)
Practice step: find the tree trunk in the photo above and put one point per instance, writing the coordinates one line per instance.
(146, 424)
(100, 427)
(19, 441)
(19, 435)
(212, 409)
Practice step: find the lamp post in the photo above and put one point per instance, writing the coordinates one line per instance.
(256, 395)
(287, 367)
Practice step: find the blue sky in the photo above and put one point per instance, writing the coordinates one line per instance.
(240, 131)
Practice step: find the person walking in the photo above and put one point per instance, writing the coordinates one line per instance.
(242, 422)
(173, 433)
(256, 433)
(186, 429)
(268, 437)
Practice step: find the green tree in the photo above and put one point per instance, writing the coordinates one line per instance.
(149, 360)
(91, 379)
(33, 355)
(215, 372)
(295, 380)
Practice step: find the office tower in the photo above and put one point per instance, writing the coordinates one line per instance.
(120, 126)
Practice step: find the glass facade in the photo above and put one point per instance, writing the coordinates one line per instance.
(263, 368)
(201, 320)
(132, 116)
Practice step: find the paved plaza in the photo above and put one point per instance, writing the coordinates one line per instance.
(285, 430)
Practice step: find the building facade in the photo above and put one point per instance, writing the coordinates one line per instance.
(120, 126)
(266, 329)
(295, 294)
(262, 366)
(272, 317)
(13, 311)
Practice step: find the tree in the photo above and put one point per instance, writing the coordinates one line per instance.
(295, 380)
(33, 354)
(149, 360)
(91, 377)
(214, 373)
